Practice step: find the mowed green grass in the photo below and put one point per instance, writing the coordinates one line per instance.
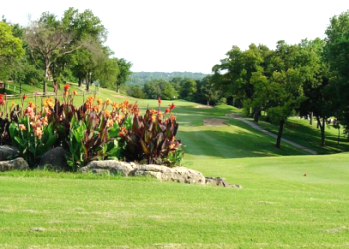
(277, 208)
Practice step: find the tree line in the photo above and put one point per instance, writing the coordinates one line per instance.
(52, 49)
(310, 78)
(201, 91)
(140, 78)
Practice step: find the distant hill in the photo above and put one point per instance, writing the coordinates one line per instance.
(140, 78)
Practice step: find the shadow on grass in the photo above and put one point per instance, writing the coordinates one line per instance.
(232, 144)
(310, 137)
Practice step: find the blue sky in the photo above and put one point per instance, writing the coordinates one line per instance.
(190, 35)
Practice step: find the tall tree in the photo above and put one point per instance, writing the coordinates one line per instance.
(337, 54)
(124, 72)
(48, 41)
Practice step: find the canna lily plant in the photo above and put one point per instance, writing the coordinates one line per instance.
(97, 130)
(152, 138)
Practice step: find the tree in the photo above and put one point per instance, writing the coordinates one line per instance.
(135, 91)
(320, 100)
(10, 50)
(285, 90)
(124, 72)
(337, 55)
(159, 89)
(207, 91)
(48, 41)
(188, 89)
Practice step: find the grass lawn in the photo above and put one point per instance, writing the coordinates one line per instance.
(278, 207)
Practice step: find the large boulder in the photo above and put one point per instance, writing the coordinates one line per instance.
(16, 164)
(109, 167)
(55, 159)
(175, 174)
(8, 152)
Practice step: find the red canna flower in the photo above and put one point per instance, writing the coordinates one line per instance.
(66, 87)
(159, 100)
(167, 110)
(172, 106)
(24, 96)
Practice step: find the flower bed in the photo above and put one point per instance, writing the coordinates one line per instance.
(97, 130)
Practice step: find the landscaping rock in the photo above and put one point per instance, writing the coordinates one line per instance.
(16, 164)
(218, 181)
(160, 172)
(55, 159)
(110, 167)
(176, 174)
(8, 152)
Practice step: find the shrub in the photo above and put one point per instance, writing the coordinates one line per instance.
(97, 130)
(152, 138)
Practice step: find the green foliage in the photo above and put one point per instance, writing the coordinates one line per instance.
(152, 139)
(124, 72)
(32, 138)
(10, 46)
(10, 50)
(188, 90)
(160, 89)
(91, 139)
(136, 92)
(140, 78)
(336, 54)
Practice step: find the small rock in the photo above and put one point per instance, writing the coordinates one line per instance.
(8, 152)
(55, 159)
(109, 167)
(16, 164)
(218, 181)
(37, 229)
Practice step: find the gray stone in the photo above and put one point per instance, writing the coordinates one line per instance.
(109, 167)
(8, 152)
(175, 174)
(55, 159)
(160, 172)
(218, 181)
(16, 164)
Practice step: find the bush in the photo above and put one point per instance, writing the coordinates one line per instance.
(97, 130)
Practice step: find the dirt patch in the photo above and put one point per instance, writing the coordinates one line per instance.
(203, 106)
(119, 96)
(215, 122)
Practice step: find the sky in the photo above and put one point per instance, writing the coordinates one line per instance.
(190, 35)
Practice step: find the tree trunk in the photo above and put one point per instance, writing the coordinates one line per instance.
(47, 69)
(87, 82)
(45, 87)
(80, 81)
(257, 113)
(322, 128)
(311, 118)
(281, 128)
(323, 131)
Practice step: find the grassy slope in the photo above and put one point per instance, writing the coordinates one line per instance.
(278, 207)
